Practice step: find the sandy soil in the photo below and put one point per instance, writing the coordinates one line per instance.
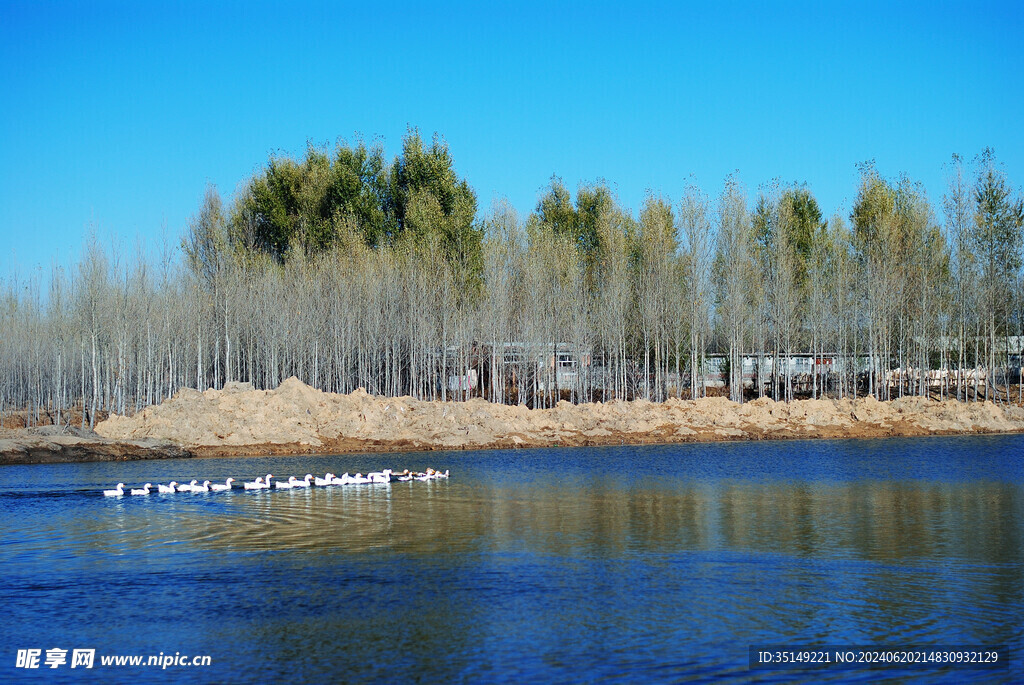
(298, 419)
(51, 444)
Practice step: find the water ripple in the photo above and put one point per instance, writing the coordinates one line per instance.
(660, 563)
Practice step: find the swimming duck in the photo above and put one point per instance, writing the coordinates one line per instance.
(219, 487)
(205, 487)
(170, 487)
(260, 483)
(188, 488)
(144, 490)
(326, 480)
(296, 483)
(116, 492)
(380, 476)
(343, 479)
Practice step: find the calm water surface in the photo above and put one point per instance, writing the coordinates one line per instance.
(554, 565)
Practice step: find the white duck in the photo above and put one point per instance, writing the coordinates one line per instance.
(188, 487)
(205, 487)
(326, 480)
(144, 490)
(296, 483)
(431, 474)
(116, 492)
(170, 487)
(380, 476)
(343, 479)
(259, 483)
(284, 484)
(221, 487)
(358, 479)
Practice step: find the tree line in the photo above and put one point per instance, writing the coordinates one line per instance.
(349, 271)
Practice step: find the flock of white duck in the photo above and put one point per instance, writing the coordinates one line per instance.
(264, 482)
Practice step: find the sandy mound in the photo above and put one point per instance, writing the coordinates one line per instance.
(52, 444)
(298, 418)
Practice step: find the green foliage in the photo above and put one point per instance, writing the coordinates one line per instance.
(592, 202)
(580, 223)
(555, 210)
(890, 221)
(873, 212)
(658, 235)
(359, 189)
(998, 220)
(804, 224)
(205, 244)
(430, 171)
(316, 204)
(273, 203)
(426, 196)
(796, 213)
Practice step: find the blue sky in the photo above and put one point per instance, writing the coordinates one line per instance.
(116, 115)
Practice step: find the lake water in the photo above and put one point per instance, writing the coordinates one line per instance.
(660, 563)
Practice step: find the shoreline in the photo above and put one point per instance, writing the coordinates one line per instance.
(295, 419)
(51, 445)
(352, 447)
(29, 449)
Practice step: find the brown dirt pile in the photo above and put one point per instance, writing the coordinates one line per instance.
(296, 418)
(51, 444)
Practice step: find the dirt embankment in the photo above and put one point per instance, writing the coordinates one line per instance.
(298, 419)
(52, 444)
